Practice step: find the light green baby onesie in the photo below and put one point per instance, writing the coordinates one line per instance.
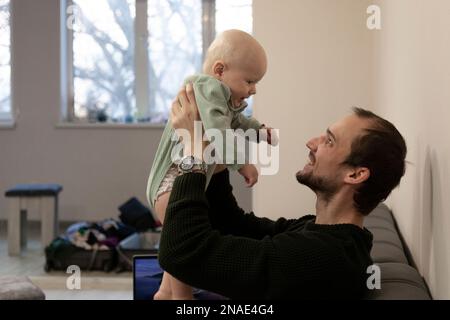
(216, 111)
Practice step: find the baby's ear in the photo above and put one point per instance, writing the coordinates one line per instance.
(218, 68)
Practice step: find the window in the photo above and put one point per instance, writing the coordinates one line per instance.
(130, 57)
(5, 65)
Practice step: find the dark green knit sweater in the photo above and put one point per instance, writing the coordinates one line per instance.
(210, 243)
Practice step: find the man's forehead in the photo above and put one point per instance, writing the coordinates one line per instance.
(349, 126)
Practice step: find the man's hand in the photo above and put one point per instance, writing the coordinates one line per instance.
(183, 115)
(250, 173)
(184, 110)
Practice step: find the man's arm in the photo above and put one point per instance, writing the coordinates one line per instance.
(227, 217)
(286, 265)
(289, 264)
(192, 251)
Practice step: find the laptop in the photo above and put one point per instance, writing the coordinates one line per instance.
(147, 276)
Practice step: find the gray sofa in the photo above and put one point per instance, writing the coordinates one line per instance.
(399, 279)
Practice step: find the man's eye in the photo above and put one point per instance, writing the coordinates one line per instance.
(329, 141)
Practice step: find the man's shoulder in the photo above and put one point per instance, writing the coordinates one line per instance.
(302, 221)
(307, 217)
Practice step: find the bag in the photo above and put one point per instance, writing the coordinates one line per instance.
(61, 254)
(90, 246)
(133, 213)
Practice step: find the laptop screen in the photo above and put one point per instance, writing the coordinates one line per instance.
(147, 275)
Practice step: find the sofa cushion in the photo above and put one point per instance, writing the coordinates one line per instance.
(399, 281)
(385, 251)
(371, 222)
(382, 212)
(387, 246)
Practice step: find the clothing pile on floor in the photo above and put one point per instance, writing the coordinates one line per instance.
(104, 235)
(92, 245)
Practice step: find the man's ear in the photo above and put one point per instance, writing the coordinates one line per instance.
(357, 175)
(218, 68)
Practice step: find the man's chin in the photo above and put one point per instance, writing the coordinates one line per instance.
(304, 174)
(306, 178)
(302, 177)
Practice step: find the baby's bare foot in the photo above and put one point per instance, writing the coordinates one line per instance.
(162, 295)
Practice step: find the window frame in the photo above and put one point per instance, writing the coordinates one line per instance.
(141, 59)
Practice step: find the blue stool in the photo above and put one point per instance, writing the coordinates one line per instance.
(22, 197)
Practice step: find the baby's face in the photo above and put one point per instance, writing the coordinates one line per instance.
(242, 81)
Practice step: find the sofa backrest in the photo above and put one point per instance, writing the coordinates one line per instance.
(399, 279)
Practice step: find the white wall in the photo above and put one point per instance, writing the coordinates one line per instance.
(320, 65)
(322, 61)
(412, 88)
(98, 168)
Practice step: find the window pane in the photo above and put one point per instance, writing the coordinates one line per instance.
(175, 50)
(235, 14)
(103, 57)
(5, 68)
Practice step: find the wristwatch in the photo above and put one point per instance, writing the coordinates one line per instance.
(191, 164)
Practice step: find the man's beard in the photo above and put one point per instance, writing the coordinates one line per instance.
(323, 187)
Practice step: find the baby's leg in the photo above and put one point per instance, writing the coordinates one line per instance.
(170, 288)
(164, 291)
(161, 206)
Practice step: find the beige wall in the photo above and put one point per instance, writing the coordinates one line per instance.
(320, 65)
(412, 88)
(98, 168)
(322, 61)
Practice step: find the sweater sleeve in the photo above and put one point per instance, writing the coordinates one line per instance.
(227, 217)
(233, 266)
(191, 251)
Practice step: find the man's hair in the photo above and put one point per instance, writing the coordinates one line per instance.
(382, 150)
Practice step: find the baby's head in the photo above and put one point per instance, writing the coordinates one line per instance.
(239, 61)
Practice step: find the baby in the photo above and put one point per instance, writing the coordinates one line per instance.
(234, 64)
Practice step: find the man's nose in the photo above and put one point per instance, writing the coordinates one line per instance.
(252, 90)
(312, 144)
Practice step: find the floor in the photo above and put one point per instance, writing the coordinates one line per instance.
(95, 285)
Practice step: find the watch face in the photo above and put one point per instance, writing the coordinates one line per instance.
(187, 163)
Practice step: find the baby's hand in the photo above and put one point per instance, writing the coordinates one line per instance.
(250, 173)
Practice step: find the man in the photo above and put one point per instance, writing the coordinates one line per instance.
(210, 243)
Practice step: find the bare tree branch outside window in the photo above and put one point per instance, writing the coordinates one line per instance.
(104, 55)
(103, 58)
(175, 50)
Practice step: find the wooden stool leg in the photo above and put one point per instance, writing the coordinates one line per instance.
(49, 219)
(23, 228)
(14, 226)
